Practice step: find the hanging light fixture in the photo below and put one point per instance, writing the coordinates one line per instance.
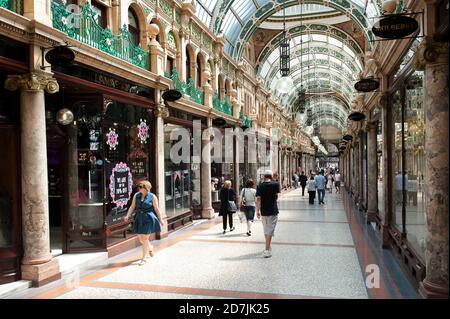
(285, 83)
(64, 116)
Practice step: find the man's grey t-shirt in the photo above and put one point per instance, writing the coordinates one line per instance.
(268, 191)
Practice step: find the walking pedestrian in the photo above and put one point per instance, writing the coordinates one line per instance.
(337, 181)
(311, 185)
(145, 204)
(248, 195)
(330, 182)
(227, 205)
(267, 208)
(303, 179)
(320, 184)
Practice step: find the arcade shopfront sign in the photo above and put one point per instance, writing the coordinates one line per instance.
(395, 26)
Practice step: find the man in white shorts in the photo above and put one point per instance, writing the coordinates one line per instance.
(267, 208)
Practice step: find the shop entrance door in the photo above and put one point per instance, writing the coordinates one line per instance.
(10, 219)
(56, 148)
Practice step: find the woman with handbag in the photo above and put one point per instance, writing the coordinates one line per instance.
(248, 195)
(147, 219)
(227, 205)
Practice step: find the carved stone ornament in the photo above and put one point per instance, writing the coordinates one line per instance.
(33, 81)
(431, 52)
(382, 100)
(162, 111)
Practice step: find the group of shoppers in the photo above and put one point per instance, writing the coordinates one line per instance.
(147, 217)
(262, 200)
(318, 183)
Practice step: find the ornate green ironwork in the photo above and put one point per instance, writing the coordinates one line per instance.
(222, 106)
(197, 95)
(245, 120)
(12, 5)
(83, 27)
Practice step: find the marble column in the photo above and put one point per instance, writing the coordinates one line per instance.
(388, 185)
(371, 172)
(37, 263)
(361, 200)
(161, 113)
(435, 58)
(207, 209)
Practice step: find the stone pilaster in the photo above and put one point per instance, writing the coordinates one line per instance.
(360, 164)
(388, 186)
(158, 57)
(37, 263)
(435, 56)
(371, 171)
(161, 113)
(207, 209)
(208, 95)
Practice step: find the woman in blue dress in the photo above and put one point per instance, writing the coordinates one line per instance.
(147, 219)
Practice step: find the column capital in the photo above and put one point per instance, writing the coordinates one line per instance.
(431, 52)
(34, 82)
(371, 126)
(162, 111)
(382, 100)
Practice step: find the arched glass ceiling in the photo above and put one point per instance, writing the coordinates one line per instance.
(315, 47)
(304, 9)
(238, 18)
(330, 59)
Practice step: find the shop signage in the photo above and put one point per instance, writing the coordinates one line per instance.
(60, 55)
(171, 95)
(121, 184)
(138, 167)
(356, 116)
(395, 26)
(367, 85)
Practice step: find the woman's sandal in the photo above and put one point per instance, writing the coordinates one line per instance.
(142, 262)
(151, 252)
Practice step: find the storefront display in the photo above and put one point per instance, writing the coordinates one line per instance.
(409, 161)
(182, 179)
(380, 170)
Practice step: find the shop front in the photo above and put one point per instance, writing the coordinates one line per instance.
(182, 175)
(13, 60)
(96, 161)
(408, 165)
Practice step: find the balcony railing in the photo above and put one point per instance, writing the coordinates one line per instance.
(245, 120)
(197, 95)
(82, 27)
(12, 5)
(222, 106)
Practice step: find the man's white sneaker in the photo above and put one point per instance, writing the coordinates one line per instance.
(267, 254)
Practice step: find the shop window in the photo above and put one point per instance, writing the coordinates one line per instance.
(397, 157)
(380, 171)
(100, 13)
(170, 65)
(182, 179)
(414, 135)
(133, 27)
(198, 68)
(188, 66)
(409, 160)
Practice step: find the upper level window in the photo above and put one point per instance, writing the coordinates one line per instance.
(100, 14)
(133, 26)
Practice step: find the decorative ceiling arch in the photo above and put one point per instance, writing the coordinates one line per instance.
(239, 19)
(309, 29)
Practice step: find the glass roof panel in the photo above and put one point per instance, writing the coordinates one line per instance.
(305, 9)
(242, 10)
